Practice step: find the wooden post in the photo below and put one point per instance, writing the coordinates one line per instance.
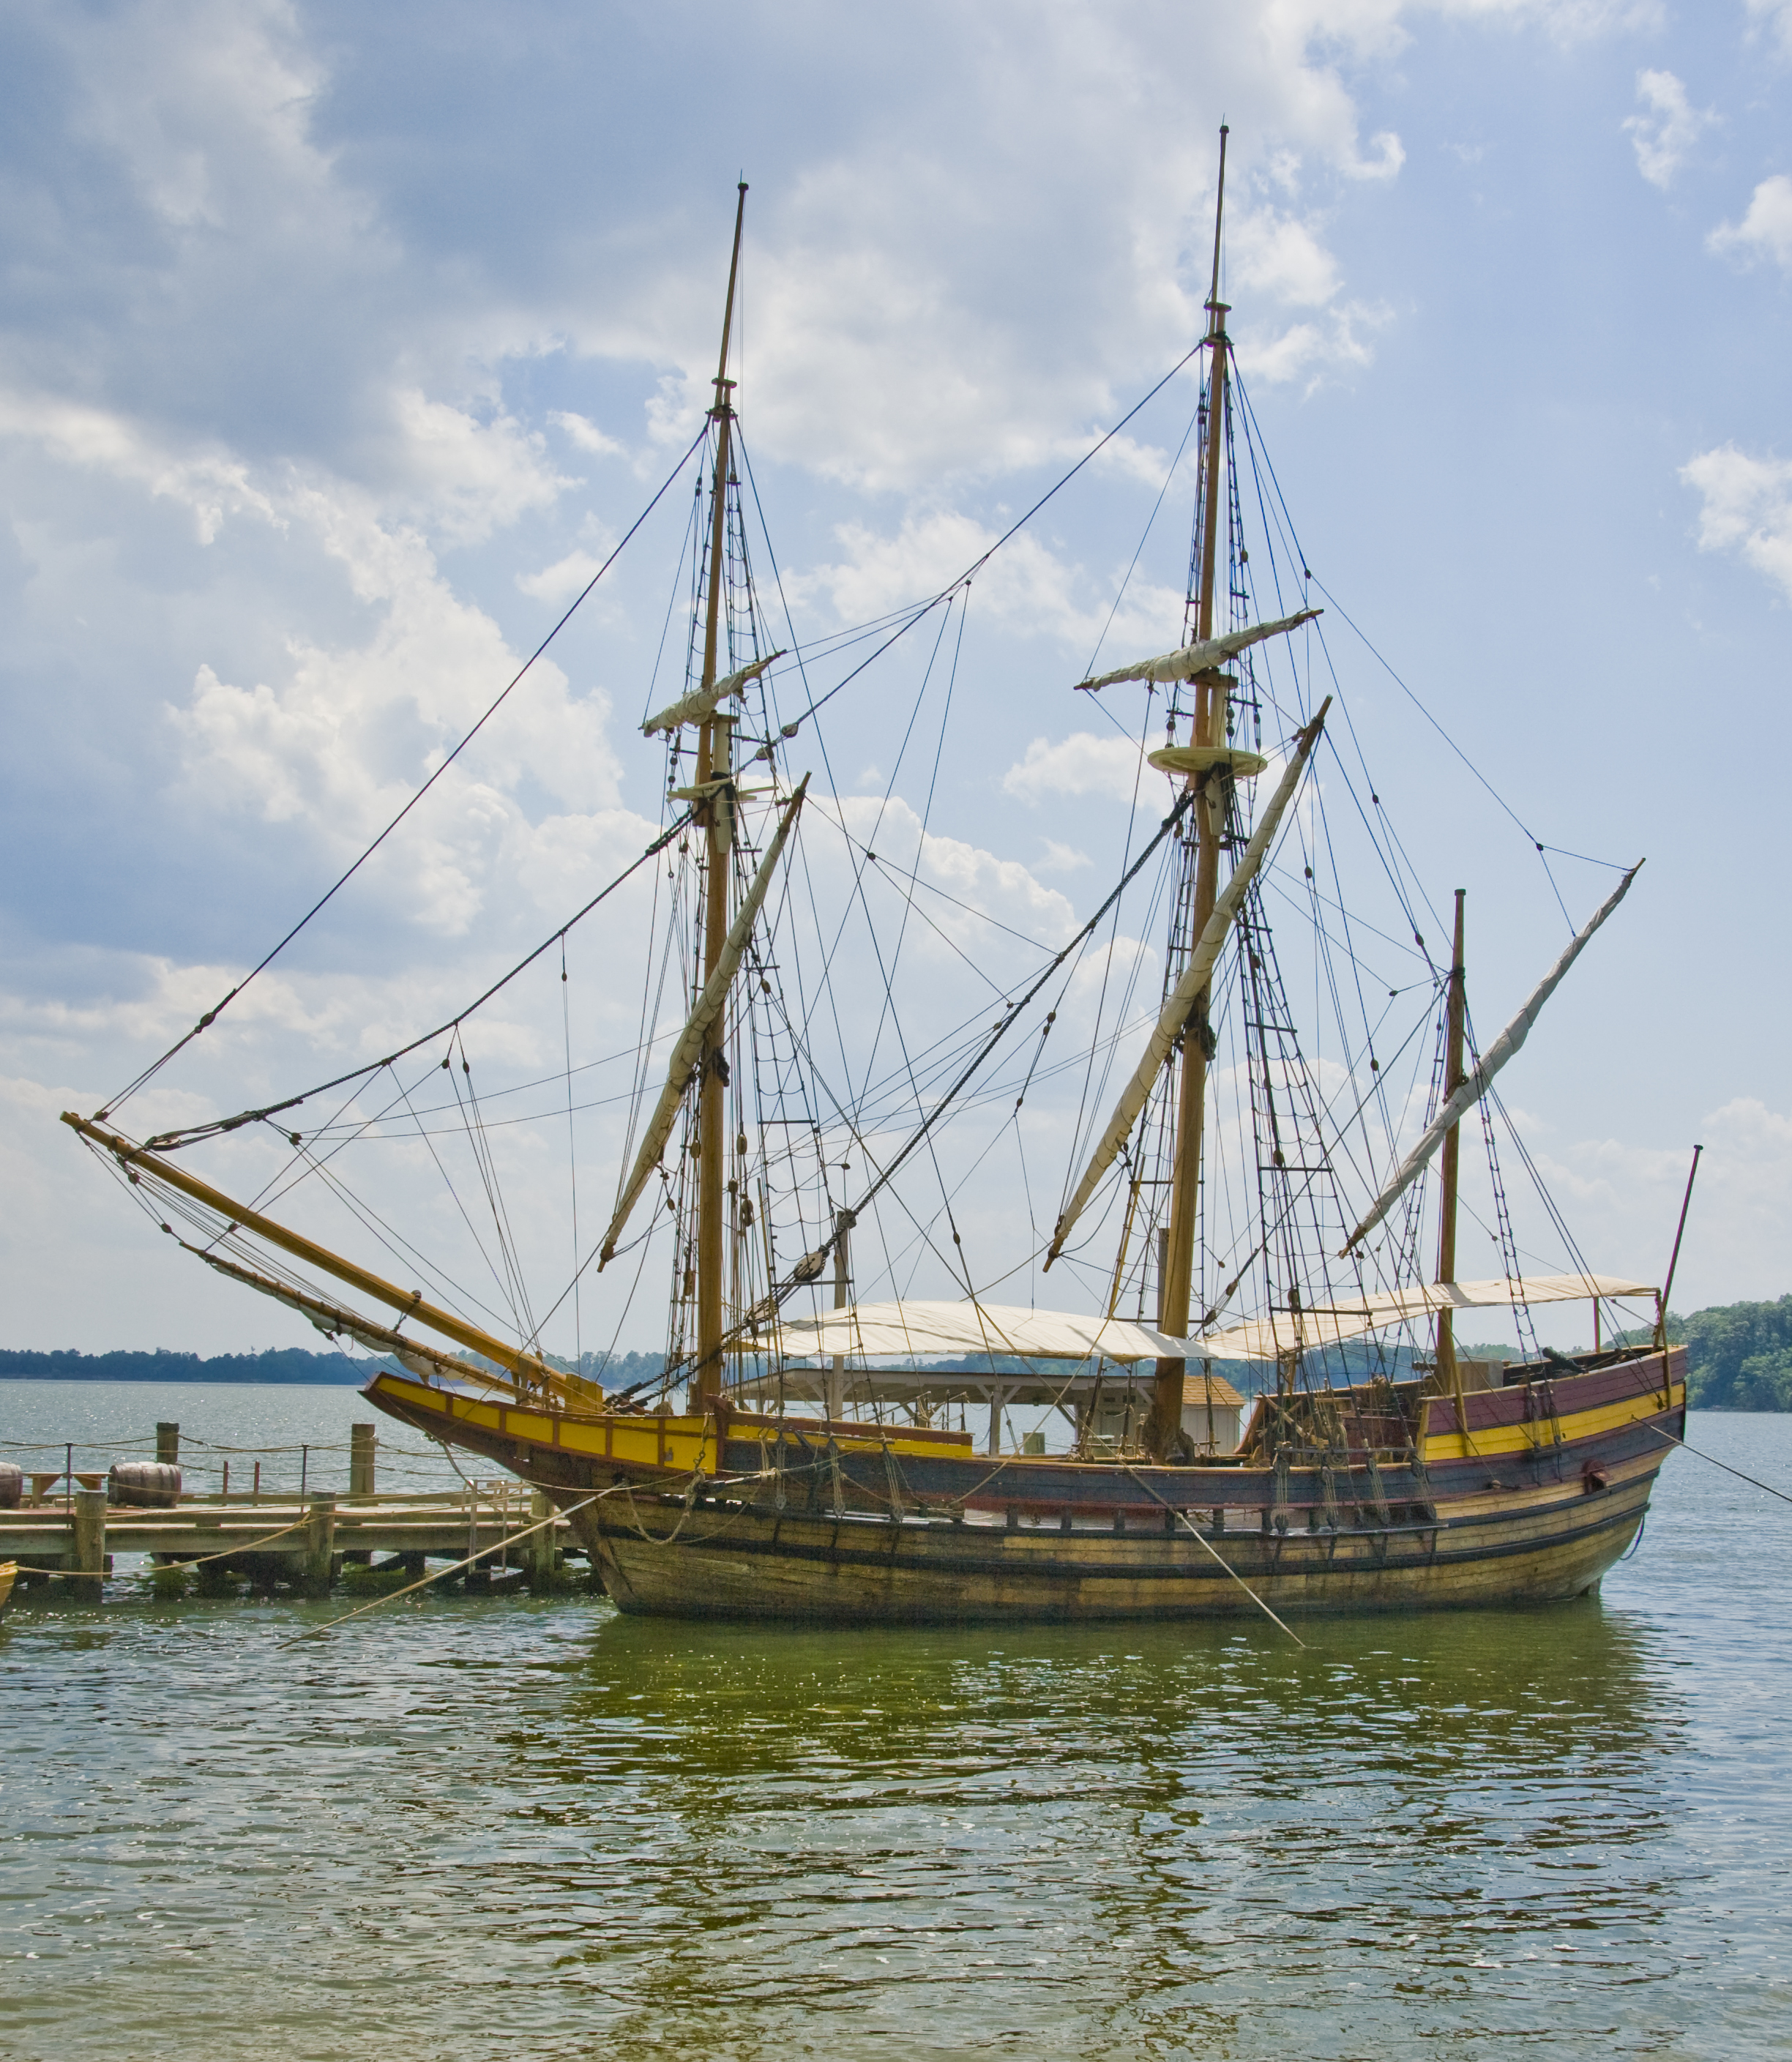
(363, 1441)
(88, 1559)
(320, 1545)
(167, 1444)
(541, 1550)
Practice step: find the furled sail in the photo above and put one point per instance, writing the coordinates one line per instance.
(1287, 1331)
(701, 704)
(1192, 659)
(1196, 977)
(1477, 1084)
(928, 1329)
(688, 1050)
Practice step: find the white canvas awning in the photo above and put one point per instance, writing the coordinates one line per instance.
(1262, 1338)
(927, 1331)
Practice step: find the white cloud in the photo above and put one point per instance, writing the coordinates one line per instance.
(1663, 135)
(211, 483)
(563, 579)
(1775, 16)
(584, 434)
(1084, 765)
(472, 477)
(1027, 585)
(1625, 1197)
(207, 104)
(1765, 230)
(1747, 508)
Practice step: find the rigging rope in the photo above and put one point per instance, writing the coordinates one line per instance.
(169, 1141)
(217, 1008)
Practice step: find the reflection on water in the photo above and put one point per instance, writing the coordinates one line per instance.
(492, 1828)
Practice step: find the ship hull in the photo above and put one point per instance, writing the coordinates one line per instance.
(740, 1563)
(1529, 1501)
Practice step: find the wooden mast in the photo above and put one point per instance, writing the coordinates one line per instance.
(1212, 688)
(715, 742)
(1449, 1371)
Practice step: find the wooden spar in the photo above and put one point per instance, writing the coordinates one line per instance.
(530, 1370)
(1449, 1369)
(714, 741)
(695, 1041)
(1179, 1006)
(1164, 1425)
(1476, 1086)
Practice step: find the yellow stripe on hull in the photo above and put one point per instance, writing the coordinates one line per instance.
(1495, 1440)
(631, 1441)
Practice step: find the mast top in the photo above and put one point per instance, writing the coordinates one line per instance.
(722, 383)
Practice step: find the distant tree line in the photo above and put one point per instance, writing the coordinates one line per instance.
(1739, 1355)
(278, 1364)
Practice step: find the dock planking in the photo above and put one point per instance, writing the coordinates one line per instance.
(65, 1534)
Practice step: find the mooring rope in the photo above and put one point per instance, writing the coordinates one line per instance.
(1218, 1556)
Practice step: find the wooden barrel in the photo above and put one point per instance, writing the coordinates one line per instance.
(12, 1485)
(143, 1483)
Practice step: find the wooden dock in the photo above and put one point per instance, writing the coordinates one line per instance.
(64, 1535)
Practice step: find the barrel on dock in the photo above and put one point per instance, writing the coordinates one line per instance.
(151, 1485)
(12, 1485)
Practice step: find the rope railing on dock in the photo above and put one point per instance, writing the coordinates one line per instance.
(166, 1568)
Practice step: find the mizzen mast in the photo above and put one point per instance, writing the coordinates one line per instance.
(716, 814)
(1213, 689)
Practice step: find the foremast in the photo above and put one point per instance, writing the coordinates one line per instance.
(715, 816)
(1211, 689)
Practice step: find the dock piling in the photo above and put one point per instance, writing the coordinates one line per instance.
(87, 1563)
(320, 1545)
(540, 1549)
(363, 1443)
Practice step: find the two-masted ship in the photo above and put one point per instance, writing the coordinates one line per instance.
(1378, 1468)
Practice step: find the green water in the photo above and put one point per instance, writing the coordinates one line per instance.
(499, 1828)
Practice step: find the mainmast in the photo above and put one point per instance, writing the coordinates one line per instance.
(1212, 690)
(716, 814)
(1449, 1373)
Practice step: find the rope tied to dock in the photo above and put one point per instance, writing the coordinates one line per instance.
(485, 1553)
(171, 1567)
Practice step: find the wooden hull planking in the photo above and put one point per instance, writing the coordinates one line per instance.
(742, 1562)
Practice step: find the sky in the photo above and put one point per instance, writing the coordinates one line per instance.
(341, 345)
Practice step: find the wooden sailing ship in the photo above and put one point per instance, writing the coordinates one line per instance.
(1377, 1482)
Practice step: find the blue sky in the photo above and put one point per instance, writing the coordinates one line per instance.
(340, 343)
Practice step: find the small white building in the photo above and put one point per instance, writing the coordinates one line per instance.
(1212, 1413)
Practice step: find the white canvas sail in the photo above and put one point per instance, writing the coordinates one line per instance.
(689, 1049)
(701, 704)
(1196, 977)
(1192, 659)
